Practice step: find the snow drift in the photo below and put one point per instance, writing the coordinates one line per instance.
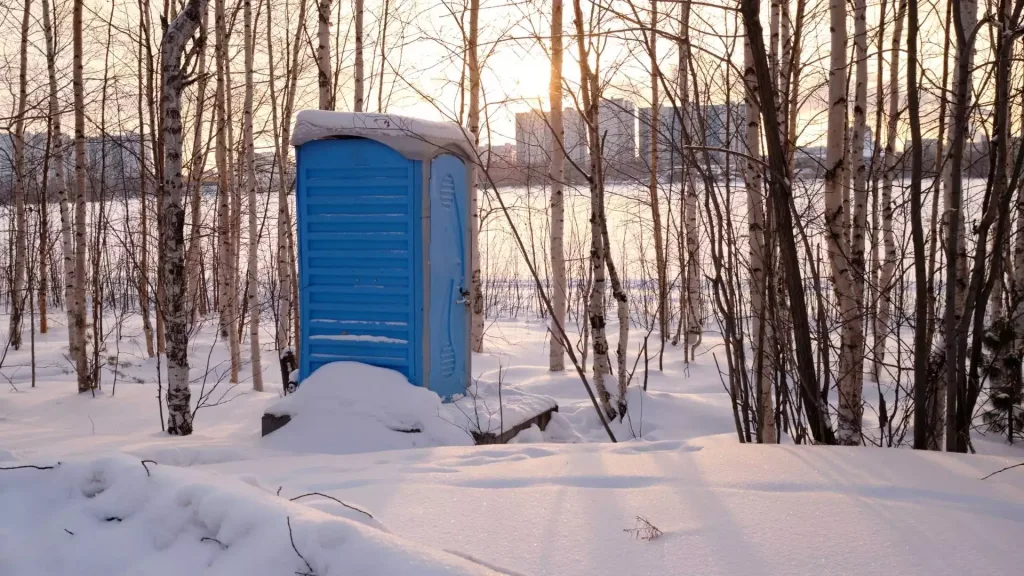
(349, 407)
(113, 516)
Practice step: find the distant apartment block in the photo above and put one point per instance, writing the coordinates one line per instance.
(616, 119)
(668, 136)
(534, 141)
(722, 131)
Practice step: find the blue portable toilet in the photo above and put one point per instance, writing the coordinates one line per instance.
(383, 219)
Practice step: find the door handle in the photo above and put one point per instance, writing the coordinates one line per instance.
(464, 299)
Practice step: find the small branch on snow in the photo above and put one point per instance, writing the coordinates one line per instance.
(291, 537)
(349, 506)
(69, 531)
(644, 530)
(147, 467)
(1003, 470)
(223, 546)
(114, 519)
(32, 466)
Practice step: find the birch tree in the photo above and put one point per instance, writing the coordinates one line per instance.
(282, 128)
(659, 246)
(323, 54)
(556, 174)
(752, 176)
(965, 18)
(58, 179)
(851, 396)
(180, 30)
(76, 318)
(476, 281)
(889, 174)
(226, 296)
(591, 95)
(689, 255)
(197, 167)
(836, 233)
(18, 293)
(250, 186)
(358, 70)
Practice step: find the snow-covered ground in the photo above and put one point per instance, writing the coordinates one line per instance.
(558, 502)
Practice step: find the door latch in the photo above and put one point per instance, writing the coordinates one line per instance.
(464, 297)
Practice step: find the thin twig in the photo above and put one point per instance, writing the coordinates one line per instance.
(32, 466)
(147, 467)
(349, 506)
(1003, 470)
(299, 554)
(223, 546)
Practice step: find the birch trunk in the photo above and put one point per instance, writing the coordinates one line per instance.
(659, 245)
(850, 399)
(179, 414)
(477, 288)
(690, 257)
(359, 71)
(556, 174)
(142, 278)
(753, 181)
(76, 318)
(226, 297)
(282, 129)
(18, 293)
(888, 176)
(965, 19)
(590, 91)
(323, 54)
(250, 186)
(848, 432)
(56, 161)
(622, 310)
(197, 167)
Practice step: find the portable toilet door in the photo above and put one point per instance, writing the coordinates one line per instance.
(448, 318)
(383, 238)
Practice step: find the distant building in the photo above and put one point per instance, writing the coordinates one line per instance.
(723, 129)
(669, 137)
(115, 161)
(616, 120)
(534, 141)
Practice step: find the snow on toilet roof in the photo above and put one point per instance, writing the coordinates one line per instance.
(412, 137)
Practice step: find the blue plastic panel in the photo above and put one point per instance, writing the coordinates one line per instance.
(447, 315)
(359, 240)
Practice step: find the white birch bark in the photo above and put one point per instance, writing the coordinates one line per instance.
(179, 414)
(18, 293)
(78, 353)
(57, 164)
(196, 168)
(590, 91)
(850, 400)
(969, 19)
(753, 181)
(227, 295)
(556, 174)
(836, 232)
(323, 54)
(476, 288)
(659, 245)
(250, 187)
(888, 269)
(359, 70)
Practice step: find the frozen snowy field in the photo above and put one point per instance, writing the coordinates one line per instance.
(558, 503)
